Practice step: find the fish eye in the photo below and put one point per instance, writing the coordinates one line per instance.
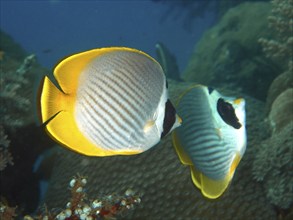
(227, 113)
(169, 119)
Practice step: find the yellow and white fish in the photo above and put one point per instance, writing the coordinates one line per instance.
(212, 138)
(110, 101)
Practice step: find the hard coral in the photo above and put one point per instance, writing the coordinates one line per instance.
(165, 184)
(279, 85)
(273, 166)
(281, 20)
(281, 111)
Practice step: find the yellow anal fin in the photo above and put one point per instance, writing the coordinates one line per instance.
(211, 189)
(184, 158)
(196, 177)
(64, 130)
(234, 164)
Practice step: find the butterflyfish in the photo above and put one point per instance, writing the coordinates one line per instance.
(109, 101)
(212, 138)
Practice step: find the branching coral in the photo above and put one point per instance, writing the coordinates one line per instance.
(13, 104)
(7, 212)
(281, 21)
(5, 155)
(13, 101)
(273, 165)
(80, 207)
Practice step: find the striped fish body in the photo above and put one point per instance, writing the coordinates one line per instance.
(113, 102)
(212, 139)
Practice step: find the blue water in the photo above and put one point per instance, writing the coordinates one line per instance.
(54, 29)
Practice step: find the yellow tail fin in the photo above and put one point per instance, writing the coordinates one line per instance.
(57, 112)
(51, 100)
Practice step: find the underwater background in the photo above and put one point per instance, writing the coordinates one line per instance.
(241, 48)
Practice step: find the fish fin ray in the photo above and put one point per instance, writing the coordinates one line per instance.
(51, 100)
(210, 188)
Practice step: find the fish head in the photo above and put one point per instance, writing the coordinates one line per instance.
(230, 117)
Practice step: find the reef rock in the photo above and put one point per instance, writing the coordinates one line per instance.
(279, 85)
(229, 53)
(165, 184)
(282, 111)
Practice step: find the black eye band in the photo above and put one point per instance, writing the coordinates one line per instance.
(169, 119)
(227, 113)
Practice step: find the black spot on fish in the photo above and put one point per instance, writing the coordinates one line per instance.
(166, 84)
(227, 113)
(169, 119)
(210, 90)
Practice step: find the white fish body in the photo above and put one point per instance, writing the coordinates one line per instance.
(113, 102)
(212, 139)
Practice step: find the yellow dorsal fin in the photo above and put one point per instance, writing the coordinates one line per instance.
(68, 70)
(184, 158)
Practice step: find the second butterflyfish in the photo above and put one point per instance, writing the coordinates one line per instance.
(212, 138)
(109, 101)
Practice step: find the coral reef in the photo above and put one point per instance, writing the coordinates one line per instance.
(281, 83)
(11, 49)
(281, 21)
(166, 189)
(7, 212)
(5, 155)
(273, 165)
(279, 47)
(14, 101)
(281, 111)
(19, 185)
(79, 206)
(13, 105)
(229, 55)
